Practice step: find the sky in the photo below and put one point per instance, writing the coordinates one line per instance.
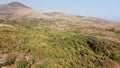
(106, 9)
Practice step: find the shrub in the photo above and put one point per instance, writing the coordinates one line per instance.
(96, 45)
(113, 56)
(28, 65)
(10, 60)
(20, 64)
(45, 64)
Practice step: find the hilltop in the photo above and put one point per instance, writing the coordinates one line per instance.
(18, 11)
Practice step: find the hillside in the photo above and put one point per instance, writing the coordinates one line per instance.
(17, 11)
(56, 40)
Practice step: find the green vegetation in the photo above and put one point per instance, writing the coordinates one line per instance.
(42, 47)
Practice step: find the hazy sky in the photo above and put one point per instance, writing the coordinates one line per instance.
(108, 9)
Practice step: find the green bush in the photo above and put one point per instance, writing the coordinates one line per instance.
(28, 65)
(96, 45)
(20, 64)
(10, 60)
(113, 56)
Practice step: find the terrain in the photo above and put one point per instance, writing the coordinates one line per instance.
(29, 39)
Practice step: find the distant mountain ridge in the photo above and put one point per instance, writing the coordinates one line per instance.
(16, 10)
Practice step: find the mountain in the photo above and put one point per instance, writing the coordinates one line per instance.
(12, 7)
(62, 16)
(16, 10)
(31, 39)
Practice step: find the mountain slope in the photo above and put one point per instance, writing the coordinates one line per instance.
(56, 40)
(12, 7)
(24, 45)
(17, 10)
